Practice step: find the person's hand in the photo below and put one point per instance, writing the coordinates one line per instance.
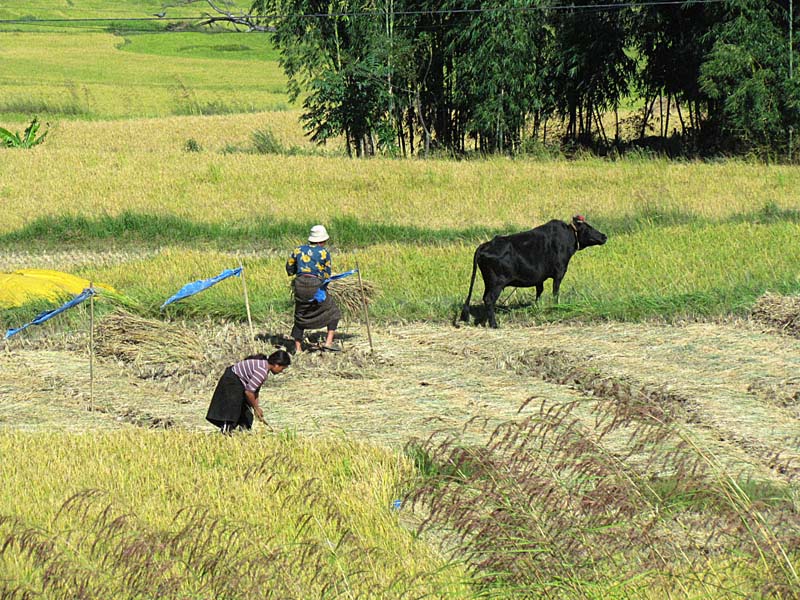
(259, 413)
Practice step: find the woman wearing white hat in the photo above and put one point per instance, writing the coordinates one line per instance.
(311, 265)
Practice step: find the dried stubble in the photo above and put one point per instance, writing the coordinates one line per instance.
(646, 461)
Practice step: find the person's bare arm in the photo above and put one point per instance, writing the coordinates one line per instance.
(252, 399)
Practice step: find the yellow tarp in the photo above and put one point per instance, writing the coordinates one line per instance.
(27, 285)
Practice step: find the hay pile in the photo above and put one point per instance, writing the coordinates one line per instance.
(778, 311)
(154, 348)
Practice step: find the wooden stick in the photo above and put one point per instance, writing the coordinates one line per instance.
(91, 347)
(364, 304)
(247, 306)
(264, 421)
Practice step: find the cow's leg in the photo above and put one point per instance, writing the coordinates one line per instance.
(490, 297)
(556, 286)
(539, 290)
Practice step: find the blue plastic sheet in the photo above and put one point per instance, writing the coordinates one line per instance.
(322, 292)
(190, 289)
(49, 314)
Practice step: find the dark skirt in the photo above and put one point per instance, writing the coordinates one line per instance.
(229, 405)
(308, 313)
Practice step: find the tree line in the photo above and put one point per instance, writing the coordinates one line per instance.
(503, 76)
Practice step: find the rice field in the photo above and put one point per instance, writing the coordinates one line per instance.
(46, 73)
(636, 440)
(199, 516)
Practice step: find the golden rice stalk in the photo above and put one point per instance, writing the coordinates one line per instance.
(156, 348)
(347, 294)
(778, 311)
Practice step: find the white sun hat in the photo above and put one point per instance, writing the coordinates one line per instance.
(318, 234)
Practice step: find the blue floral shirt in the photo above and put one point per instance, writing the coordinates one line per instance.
(311, 260)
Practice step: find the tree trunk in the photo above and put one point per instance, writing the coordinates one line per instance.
(412, 124)
(600, 128)
(647, 110)
(680, 116)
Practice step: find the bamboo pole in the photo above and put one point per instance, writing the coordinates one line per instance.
(91, 346)
(247, 306)
(364, 304)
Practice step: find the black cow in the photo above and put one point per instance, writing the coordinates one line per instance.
(528, 258)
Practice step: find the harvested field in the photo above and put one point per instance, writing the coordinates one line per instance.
(731, 385)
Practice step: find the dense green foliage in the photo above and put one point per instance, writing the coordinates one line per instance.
(493, 75)
(746, 75)
(412, 78)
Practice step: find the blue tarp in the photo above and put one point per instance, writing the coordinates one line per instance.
(321, 293)
(49, 314)
(190, 289)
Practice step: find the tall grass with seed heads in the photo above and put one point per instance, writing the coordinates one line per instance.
(553, 507)
(183, 515)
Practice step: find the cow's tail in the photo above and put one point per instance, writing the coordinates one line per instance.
(465, 310)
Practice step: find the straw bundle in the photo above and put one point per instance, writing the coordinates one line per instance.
(778, 311)
(155, 348)
(347, 295)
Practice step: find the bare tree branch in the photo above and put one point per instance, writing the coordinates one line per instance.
(222, 13)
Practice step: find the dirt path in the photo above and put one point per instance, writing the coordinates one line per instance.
(738, 386)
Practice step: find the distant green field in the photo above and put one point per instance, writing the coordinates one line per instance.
(225, 46)
(83, 70)
(94, 9)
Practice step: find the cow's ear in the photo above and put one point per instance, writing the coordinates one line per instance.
(578, 219)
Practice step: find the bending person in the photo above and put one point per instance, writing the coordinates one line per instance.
(311, 265)
(235, 398)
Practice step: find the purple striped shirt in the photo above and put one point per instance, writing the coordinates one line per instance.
(252, 372)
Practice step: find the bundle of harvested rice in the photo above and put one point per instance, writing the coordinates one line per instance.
(778, 311)
(154, 348)
(346, 292)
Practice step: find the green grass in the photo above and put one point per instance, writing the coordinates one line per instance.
(236, 46)
(697, 270)
(691, 269)
(155, 230)
(94, 9)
